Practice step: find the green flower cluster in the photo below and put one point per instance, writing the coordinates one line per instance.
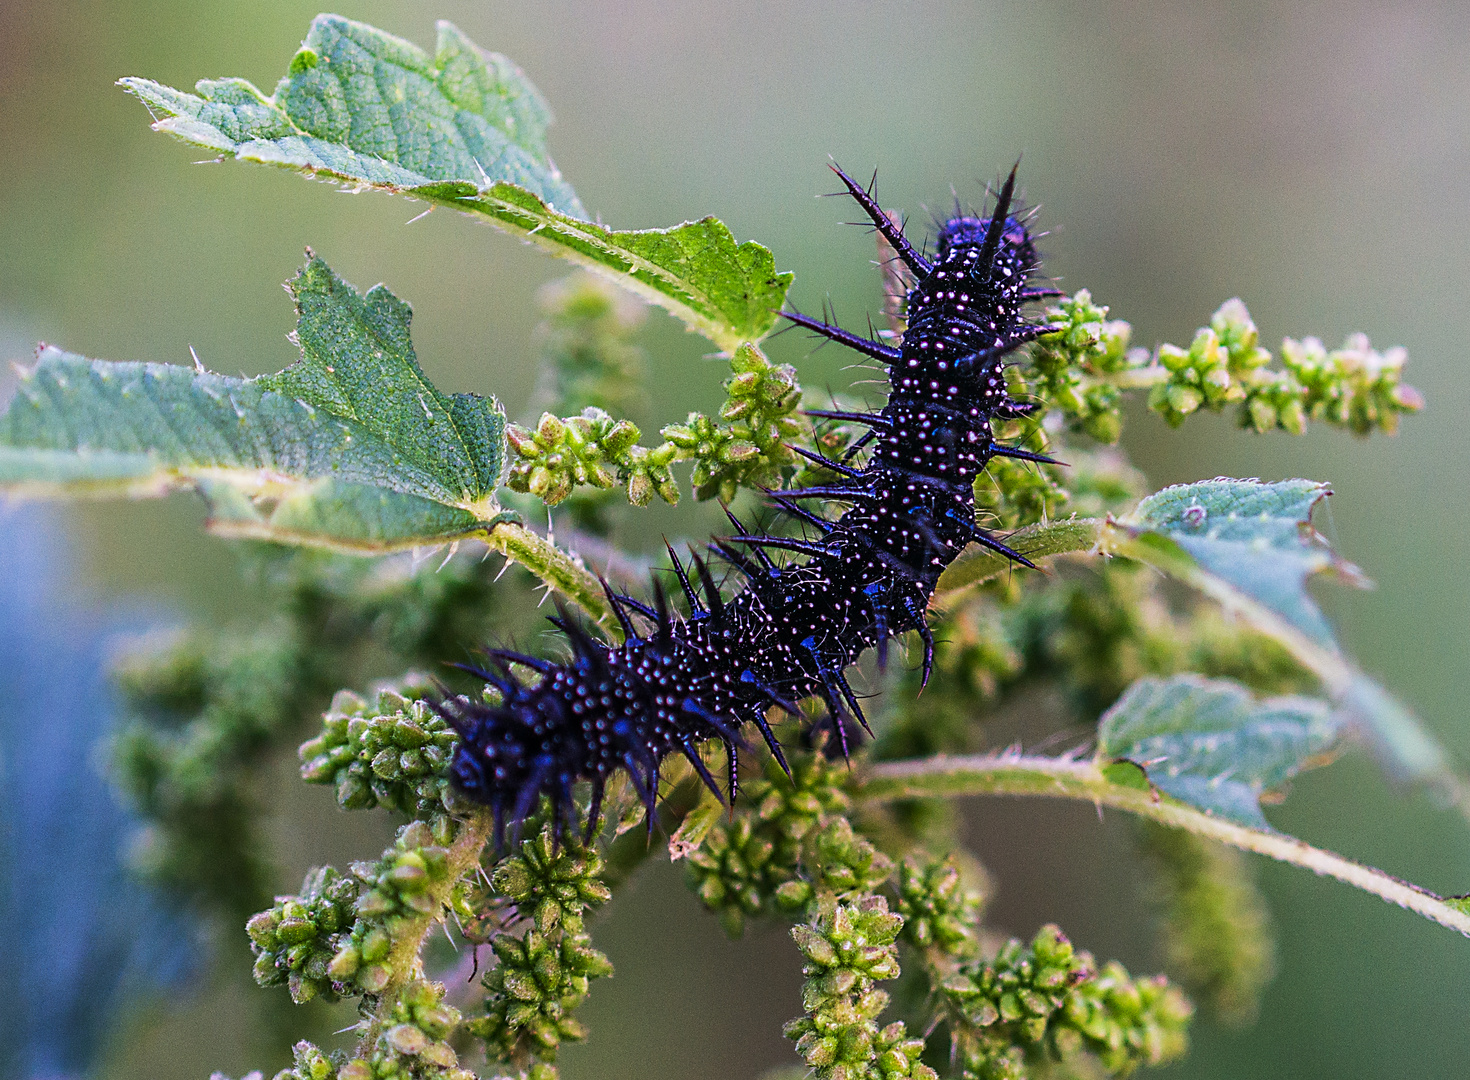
(849, 948)
(309, 1062)
(1223, 362)
(391, 752)
(735, 873)
(589, 364)
(539, 980)
(747, 447)
(744, 446)
(412, 1044)
(296, 940)
(749, 867)
(838, 862)
(552, 884)
(543, 974)
(409, 885)
(1355, 387)
(1077, 369)
(594, 450)
(939, 912)
(1084, 369)
(1048, 1002)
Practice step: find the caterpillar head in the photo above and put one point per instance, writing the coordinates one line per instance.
(969, 231)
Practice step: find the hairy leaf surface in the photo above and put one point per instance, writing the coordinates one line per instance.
(1209, 743)
(465, 129)
(351, 447)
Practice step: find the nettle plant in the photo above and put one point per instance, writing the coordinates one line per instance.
(530, 787)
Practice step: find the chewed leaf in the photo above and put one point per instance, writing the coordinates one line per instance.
(465, 129)
(351, 447)
(358, 365)
(1251, 546)
(1257, 537)
(1209, 743)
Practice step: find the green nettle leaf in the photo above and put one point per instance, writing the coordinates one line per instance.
(1070, 536)
(351, 447)
(1251, 546)
(1256, 538)
(1209, 743)
(363, 105)
(464, 129)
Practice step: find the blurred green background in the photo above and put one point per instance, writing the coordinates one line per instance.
(1313, 159)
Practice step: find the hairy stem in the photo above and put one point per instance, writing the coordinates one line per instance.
(1008, 774)
(548, 562)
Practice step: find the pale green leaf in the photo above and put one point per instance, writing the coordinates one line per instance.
(1041, 541)
(366, 106)
(465, 129)
(1258, 537)
(1209, 743)
(351, 447)
(1251, 546)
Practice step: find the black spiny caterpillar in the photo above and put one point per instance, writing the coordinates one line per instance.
(794, 629)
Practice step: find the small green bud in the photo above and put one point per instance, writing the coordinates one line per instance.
(1184, 399)
(640, 489)
(373, 978)
(406, 1039)
(522, 441)
(345, 964)
(261, 929)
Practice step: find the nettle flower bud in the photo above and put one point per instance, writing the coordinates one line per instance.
(553, 883)
(939, 912)
(393, 751)
(296, 940)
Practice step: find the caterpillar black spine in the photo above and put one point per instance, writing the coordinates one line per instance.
(681, 680)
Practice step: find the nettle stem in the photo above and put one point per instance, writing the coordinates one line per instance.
(405, 960)
(555, 567)
(1011, 774)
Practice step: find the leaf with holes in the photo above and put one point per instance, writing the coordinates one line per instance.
(464, 128)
